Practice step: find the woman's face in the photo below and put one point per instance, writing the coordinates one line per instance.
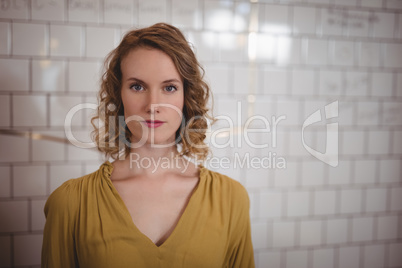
(152, 95)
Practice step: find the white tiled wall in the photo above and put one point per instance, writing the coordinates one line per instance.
(269, 57)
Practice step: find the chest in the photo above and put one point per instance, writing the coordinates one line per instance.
(154, 210)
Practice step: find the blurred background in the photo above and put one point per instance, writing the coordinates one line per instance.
(264, 60)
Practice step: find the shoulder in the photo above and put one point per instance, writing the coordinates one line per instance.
(226, 187)
(67, 196)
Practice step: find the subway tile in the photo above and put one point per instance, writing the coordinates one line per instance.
(352, 142)
(303, 82)
(66, 40)
(14, 74)
(29, 181)
(390, 170)
(324, 202)
(332, 21)
(270, 204)
(342, 53)
(151, 12)
(391, 111)
(330, 83)
(347, 111)
(323, 258)
(365, 171)
(62, 172)
(374, 256)
(356, 83)
(283, 234)
(120, 11)
(351, 201)
(218, 15)
(37, 44)
(48, 75)
(99, 41)
(371, 3)
(61, 110)
(379, 142)
(317, 52)
(81, 151)
(298, 203)
(84, 76)
(295, 143)
(263, 47)
(287, 177)
(394, 255)
(383, 25)
(245, 79)
(288, 50)
(217, 76)
(37, 215)
(15, 216)
(49, 148)
(242, 20)
(337, 232)
(297, 259)
(275, 19)
(310, 233)
(387, 228)
(341, 174)
(393, 4)
(271, 258)
(376, 200)
(362, 229)
(275, 81)
(5, 38)
(368, 113)
(47, 10)
(382, 84)
(257, 178)
(393, 55)
(396, 142)
(313, 173)
(5, 181)
(232, 47)
(187, 14)
(84, 11)
(290, 109)
(13, 149)
(5, 249)
(29, 110)
(358, 23)
(27, 249)
(205, 45)
(5, 110)
(259, 235)
(17, 9)
(304, 20)
(368, 54)
(349, 256)
(399, 83)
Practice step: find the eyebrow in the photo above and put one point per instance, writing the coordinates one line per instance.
(163, 82)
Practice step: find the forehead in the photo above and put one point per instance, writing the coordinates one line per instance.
(149, 62)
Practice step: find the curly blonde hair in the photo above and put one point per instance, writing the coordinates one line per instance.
(171, 41)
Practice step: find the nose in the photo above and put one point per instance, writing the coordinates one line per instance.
(152, 105)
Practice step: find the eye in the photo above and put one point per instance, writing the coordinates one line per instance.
(137, 87)
(170, 88)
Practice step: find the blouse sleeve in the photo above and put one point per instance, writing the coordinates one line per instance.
(58, 249)
(243, 253)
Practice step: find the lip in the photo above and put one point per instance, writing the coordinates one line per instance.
(153, 123)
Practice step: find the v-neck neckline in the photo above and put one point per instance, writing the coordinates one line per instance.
(125, 210)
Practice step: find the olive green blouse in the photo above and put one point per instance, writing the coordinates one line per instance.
(88, 225)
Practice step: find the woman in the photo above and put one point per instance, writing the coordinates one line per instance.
(151, 207)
